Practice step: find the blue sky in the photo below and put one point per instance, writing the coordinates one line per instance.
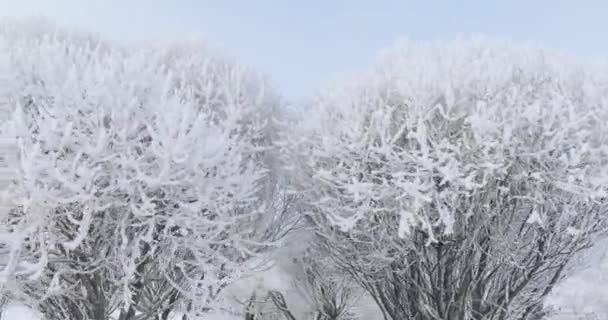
(304, 44)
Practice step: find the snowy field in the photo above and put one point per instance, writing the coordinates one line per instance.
(13, 312)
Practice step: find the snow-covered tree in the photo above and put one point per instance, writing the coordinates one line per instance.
(145, 177)
(330, 294)
(457, 181)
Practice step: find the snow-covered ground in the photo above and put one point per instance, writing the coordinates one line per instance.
(586, 293)
(16, 312)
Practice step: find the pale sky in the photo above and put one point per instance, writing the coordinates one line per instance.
(304, 44)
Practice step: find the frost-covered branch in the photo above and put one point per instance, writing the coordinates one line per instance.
(145, 177)
(457, 181)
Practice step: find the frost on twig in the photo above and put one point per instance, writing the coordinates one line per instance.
(142, 169)
(457, 181)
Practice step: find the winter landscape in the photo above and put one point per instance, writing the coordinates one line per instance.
(458, 178)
